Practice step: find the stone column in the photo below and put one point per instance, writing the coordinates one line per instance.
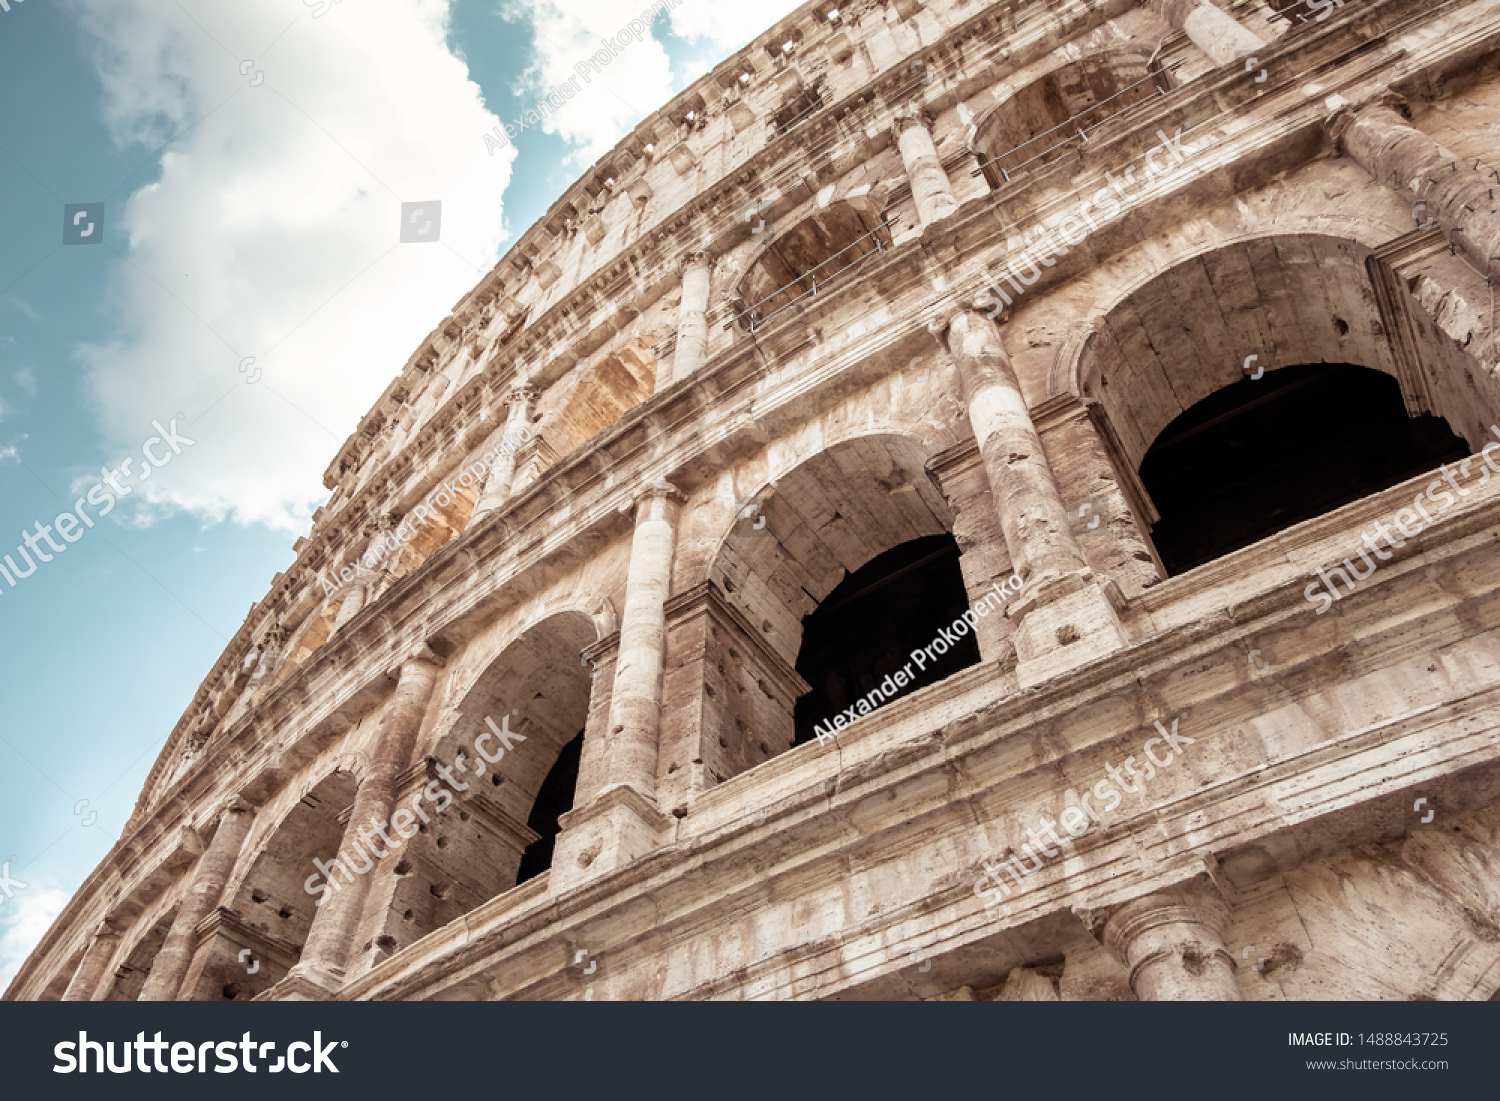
(1032, 514)
(692, 320)
(329, 939)
(363, 585)
(1066, 617)
(1399, 156)
(84, 985)
(1172, 943)
(1211, 29)
(983, 558)
(930, 188)
(635, 699)
(497, 484)
(209, 875)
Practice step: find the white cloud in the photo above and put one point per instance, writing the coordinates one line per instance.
(638, 78)
(614, 94)
(728, 26)
(26, 379)
(22, 305)
(24, 919)
(271, 227)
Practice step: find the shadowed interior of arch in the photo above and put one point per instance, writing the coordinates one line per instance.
(866, 629)
(553, 801)
(1259, 456)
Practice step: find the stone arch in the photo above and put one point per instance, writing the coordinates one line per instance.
(1260, 304)
(133, 963)
(484, 763)
(253, 941)
(807, 254)
(1043, 120)
(813, 525)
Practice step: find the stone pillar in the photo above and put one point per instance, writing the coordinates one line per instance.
(1032, 514)
(1066, 618)
(497, 484)
(365, 580)
(930, 188)
(1399, 156)
(328, 941)
(1211, 29)
(209, 876)
(692, 320)
(84, 985)
(635, 698)
(983, 558)
(1172, 943)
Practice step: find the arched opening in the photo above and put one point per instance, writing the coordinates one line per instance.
(803, 258)
(1261, 455)
(1262, 381)
(59, 985)
(553, 801)
(863, 633)
(825, 582)
(494, 759)
(130, 977)
(1058, 112)
(252, 944)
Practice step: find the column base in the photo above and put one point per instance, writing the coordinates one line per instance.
(305, 985)
(619, 826)
(1064, 622)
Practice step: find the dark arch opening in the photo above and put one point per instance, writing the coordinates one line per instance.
(553, 800)
(867, 627)
(1261, 455)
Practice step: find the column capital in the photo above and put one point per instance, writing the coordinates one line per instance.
(908, 116)
(1125, 930)
(523, 393)
(107, 929)
(1338, 122)
(661, 490)
(699, 258)
(237, 804)
(422, 655)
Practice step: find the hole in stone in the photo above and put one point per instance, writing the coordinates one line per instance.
(1341, 325)
(257, 896)
(386, 943)
(442, 842)
(404, 868)
(438, 890)
(283, 913)
(405, 915)
(463, 815)
(231, 991)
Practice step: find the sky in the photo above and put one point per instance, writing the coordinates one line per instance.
(203, 288)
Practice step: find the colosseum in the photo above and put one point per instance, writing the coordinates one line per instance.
(860, 544)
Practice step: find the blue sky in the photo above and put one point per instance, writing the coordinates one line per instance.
(247, 215)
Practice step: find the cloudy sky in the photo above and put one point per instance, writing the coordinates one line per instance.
(245, 278)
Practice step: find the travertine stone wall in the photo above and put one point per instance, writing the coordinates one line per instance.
(939, 348)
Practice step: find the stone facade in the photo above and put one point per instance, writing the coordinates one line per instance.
(799, 328)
